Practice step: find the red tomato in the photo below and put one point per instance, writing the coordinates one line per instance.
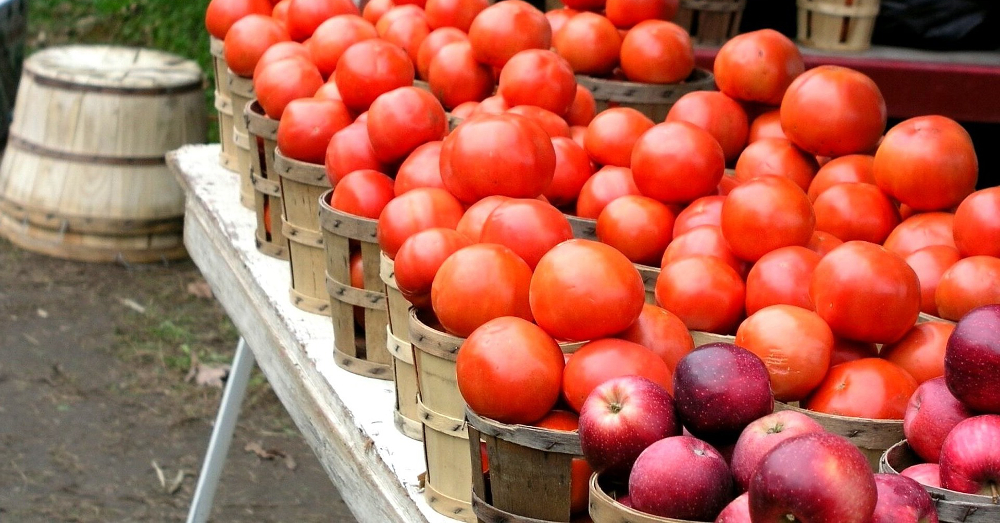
(374, 9)
(471, 224)
(613, 133)
(704, 240)
(590, 43)
(552, 123)
(573, 169)
(456, 77)
(528, 227)
(606, 359)
(677, 162)
(538, 77)
(329, 91)
(350, 150)
(304, 16)
(706, 210)
(870, 388)
(357, 274)
(222, 14)
(922, 230)
(853, 168)
(778, 157)
(977, 223)
(602, 188)
(969, 283)
(657, 52)
(716, 113)
(558, 17)
(370, 68)
(577, 283)
(583, 109)
(334, 36)
(479, 283)
(408, 33)
(398, 12)
(921, 351)
(858, 278)
(580, 471)
(506, 28)
(627, 13)
(833, 111)
(362, 193)
(930, 263)
(307, 125)
(578, 133)
(764, 214)
(795, 345)
(823, 242)
(413, 212)
(248, 39)
(454, 13)
(472, 169)
(856, 211)
(781, 276)
(422, 168)
(464, 110)
(403, 119)
(283, 81)
(704, 292)
(433, 43)
(585, 5)
(927, 162)
(845, 350)
(419, 259)
(281, 51)
(510, 370)
(280, 12)
(766, 125)
(639, 227)
(662, 332)
(758, 66)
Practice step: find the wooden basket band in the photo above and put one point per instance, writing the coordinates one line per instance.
(410, 428)
(242, 140)
(258, 123)
(486, 512)
(308, 303)
(86, 224)
(441, 423)
(875, 434)
(346, 225)
(531, 437)
(223, 104)
(265, 186)
(362, 367)
(300, 172)
(604, 509)
(307, 237)
(72, 85)
(387, 270)
(217, 47)
(124, 161)
(633, 92)
(849, 11)
(583, 228)
(444, 504)
(241, 86)
(354, 296)
(399, 349)
(714, 5)
(277, 250)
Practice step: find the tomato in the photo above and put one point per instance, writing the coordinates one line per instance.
(781, 276)
(590, 43)
(479, 283)
(350, 150)
(506, 28)
(639, 227)
(430, 46)
(375, 9)
(471, 224)
(510, 370)
(281, 51)
(420, 257)
(572, 171)
(464, 110)
(766, 125)
(585, 5)
(921, 351)
(977, 223)
(456, 77)
(222, 14)
(677, 162)
(795, 345)
(334, 36)
(583, 109)
(602, 188)
(422, 168)
(764, 214)
(403, 119)
(627, 13)
(578, 133)
(930, 263)
(472, 169)
(408, 33)
(969, 283)
(362, 193)
(706, 210)
(248, 39)
(578, 283)
(845, 350)
(777, 157)
(304, 16)
(833, 111)
(870, 388)
(552, 123)
(758, 66)
(612, 134)
(927, 162)
(357, 274)
(580, 471)
(329, 91)
(307, 125)
(662, 332)
(454, 13)
(856, 211)
(605, 359)
(558, 17)
(716, 113)
(398, 12)
(922, 230)
(858, 278)
(538, 77)
(283, 81)
(823, 242)
(657, 52)
(370, 68)
(704, 292)
(413, 212)
(528, 227)
(280, 12)
(853, 168)
(704, 240)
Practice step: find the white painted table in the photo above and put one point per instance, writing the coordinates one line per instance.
(347, 419)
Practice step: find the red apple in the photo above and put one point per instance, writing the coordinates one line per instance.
(972, 357)
(928, 474)
(931, 414)
(736, 512)
(763, 435)
(719, 389)
(970, 457)
(817, 477)
(620, 418)
(680, 477)
(902, 500)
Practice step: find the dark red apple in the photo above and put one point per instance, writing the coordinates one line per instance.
(924, 473)
(902, 500)
(738, 511)
(817, 477)
(680, 477)
(620, 418)
(719, 389)
(970, 457)
(972, 357)
(763, 435)
(931, 414)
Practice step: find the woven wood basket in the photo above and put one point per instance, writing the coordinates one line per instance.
(263, 133)
(605, 509)
(871, 436)
(652, 100)
(404, 374)
(837, 25)
(710, 22)
(223, 103)
(241, 93)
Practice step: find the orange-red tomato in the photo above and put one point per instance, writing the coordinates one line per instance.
(408, 33)
(464, 110)
(657, 52)
(921, 351)
(833, 111)
(858, 278)
(398, 12)
(374, 9)
(930, 263)
(329, 91)
(419, 259)
(677, 162)
(362, 193)
(420, 169)
(558, 17)
(766, 213)
(626, 14)
(491, 105)
(577, 283)
(538, 77)
(845, 350)
(334, 36)
(307, 125)
(370, 68)
(922, 230)
(414, 211)
(716, 113)
(583, 109)
(573, 169)
(639, 227)
(222, 14)
(856, 211)
(704, 292)
(403, 119)
(778, 157)
(977, 223)
(506, 28)
(602, 188)
(283, 81)
(356, 267)
(758, 66)
(927, 162)
(471, 224)
(248, 39)
(456, 77)
(454, 13)
(706, 210)
(280, 12)
(350, 150)
(430, 46)
(795, 345)
(613, 133)
(552, 123)
(870, 388)
(580, 471)
(766, 125)
(590, 44)
(662, 332)
(853, 168)
(823, 242)
(605, 359)
(704, 240)
(281, 51)
(528, 227)
(781, 276)
(585, 5)
(969, 283)
(304, 16)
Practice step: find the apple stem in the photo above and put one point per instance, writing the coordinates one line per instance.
(615, 407)
(996, 495)
(790, 517)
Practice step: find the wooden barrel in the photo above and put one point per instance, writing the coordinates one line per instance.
(84, 174)
(241, 92)
(837, 25)
(710, 22)
(404, 374)
(604, 507)
(652, 100)
(223, 103)
(263, 133)
(871, 436)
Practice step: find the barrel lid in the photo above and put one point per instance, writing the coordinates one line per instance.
(116, 69)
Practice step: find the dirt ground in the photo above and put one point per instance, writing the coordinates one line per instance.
(98, 421)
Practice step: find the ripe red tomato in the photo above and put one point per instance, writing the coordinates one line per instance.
(433, 43)
(583, 109)
(853, 168)
(370, 68)
(357, 275)
(419, 259)
(716, 113)
(577, 283)
(613, 133)
(456, 77)
(781, 276)
(414, 211)
(334, 36)
(403, 119)
(280, 12)
(283, 81)
(590, 43)
(307, 125)
(794, 343)
(764, 214)
(528, 227)
(870, 388)
(454, 13)
(833, 111)
(558, 17)
(845, 350)
(422, 168)
(396, 13)
(553, 124)
(758, 66)
(927, 162)
(408, 33)
(766, 125)
(657, 52)
(704, 240)
(704, 292)
(222, 14)
(573, 169)
(374, 9)
(585, 5)
(857, 278)
(506, 28)
(510, 370)
(479, 283)
(856, 211)
(471, 224)
(627, 13)
(977, 223)
(930, 263)
(778, 157)
(304, 16)
(677, 162)
(922, 230)
(606, 185)
(662, 332)
(281, 51)
(580, 471)
(921, 351)
(362, 193)
(350, 150)
(329, 91)
(969, 283)
(605, 359)
(823, 242)
(248, 39)
(538, 77)
(706, 210)
(464, 110)
(639, 227)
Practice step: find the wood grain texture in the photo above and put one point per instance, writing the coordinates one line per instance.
(604, 508)
(871, 436)
(653, 100)
(710, 22)
(837, 25)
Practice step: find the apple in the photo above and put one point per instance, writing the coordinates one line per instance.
(719, 389)
(763, 435)
(931, 414)
(902, 500)
(817, 477)
(928, 474)
(972, 357)
(736, 512)
(970, 457)
(620, 418)
(680, 477)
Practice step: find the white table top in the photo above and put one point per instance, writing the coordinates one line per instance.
(347, 419)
